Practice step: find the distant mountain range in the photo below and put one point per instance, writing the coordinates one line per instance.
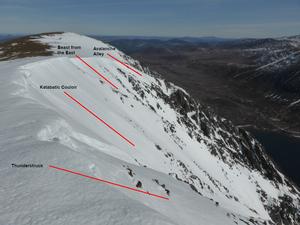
(6, 37)
(261, 74)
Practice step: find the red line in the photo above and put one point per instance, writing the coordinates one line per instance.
(96, 71)
(113, 129)
(108, 182)
(124, 64)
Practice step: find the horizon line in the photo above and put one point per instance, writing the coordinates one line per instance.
(149, 36)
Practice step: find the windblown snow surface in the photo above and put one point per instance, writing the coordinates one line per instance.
(171, 158)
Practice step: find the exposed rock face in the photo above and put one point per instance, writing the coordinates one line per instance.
(222, 137)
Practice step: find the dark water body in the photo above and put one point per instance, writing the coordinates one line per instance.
(284, 150)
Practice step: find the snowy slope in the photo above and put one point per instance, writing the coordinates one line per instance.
(212, 172)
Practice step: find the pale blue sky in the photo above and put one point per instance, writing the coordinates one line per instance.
(223, 18)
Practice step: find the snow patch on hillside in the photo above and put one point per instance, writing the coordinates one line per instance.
(46, 126)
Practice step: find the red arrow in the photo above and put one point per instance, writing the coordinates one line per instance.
(124, 64)
(108, 182)
(103, 77)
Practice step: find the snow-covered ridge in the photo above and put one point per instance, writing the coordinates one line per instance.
(83, 45)
(212, 172)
